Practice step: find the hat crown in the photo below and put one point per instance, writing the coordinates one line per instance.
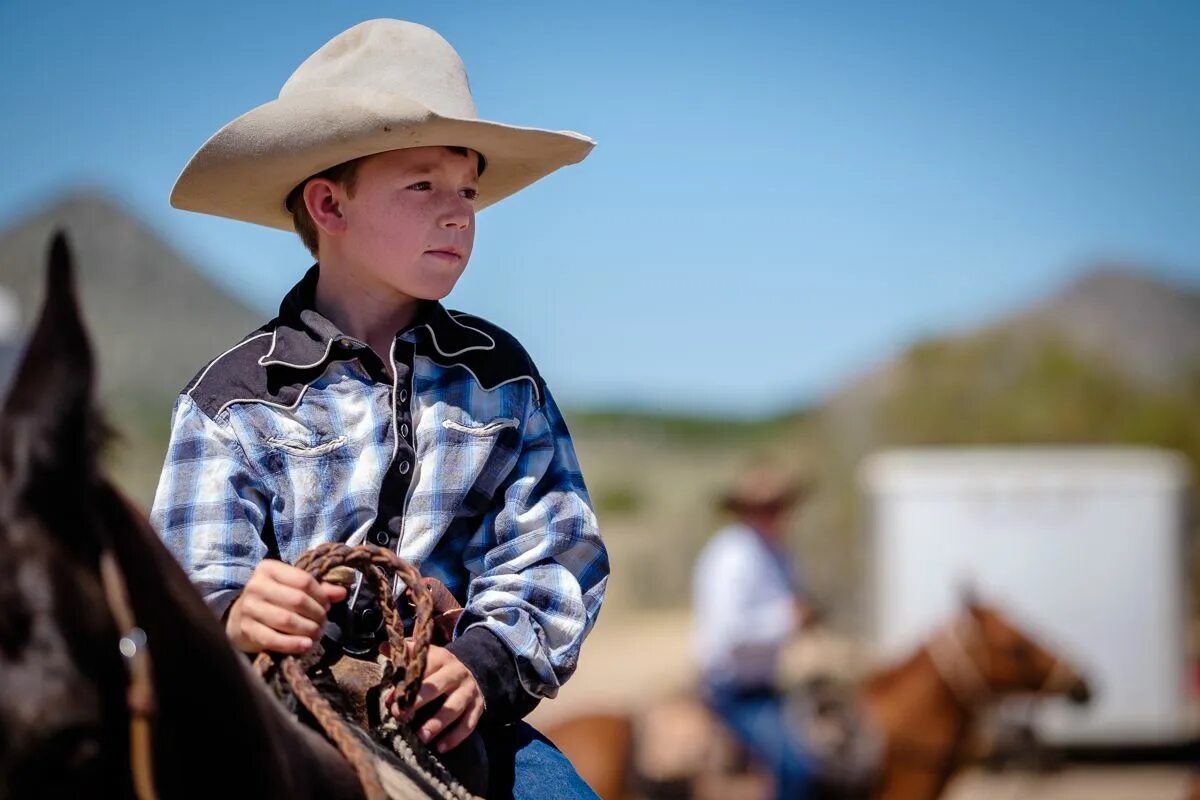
(389, 55)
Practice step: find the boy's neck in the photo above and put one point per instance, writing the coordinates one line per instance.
(367, 312)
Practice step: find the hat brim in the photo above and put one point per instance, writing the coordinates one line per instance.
(792, 495)
(246, 170)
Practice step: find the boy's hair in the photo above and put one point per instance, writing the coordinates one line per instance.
(346, 175)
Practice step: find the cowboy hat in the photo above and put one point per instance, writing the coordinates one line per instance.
(384, 84)
(763, 486)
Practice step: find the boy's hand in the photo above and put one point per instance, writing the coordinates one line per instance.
(446, 676)
(282, 609)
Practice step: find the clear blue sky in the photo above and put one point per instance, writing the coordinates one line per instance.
(782, 195)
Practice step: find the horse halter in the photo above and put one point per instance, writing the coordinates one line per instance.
(139, 695)
(949, 650)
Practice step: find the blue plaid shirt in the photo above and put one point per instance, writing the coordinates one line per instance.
(460, 461)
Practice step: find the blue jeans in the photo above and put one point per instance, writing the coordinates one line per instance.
(524, 765)
(757, 718)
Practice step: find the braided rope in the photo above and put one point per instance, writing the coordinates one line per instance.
(408, 663)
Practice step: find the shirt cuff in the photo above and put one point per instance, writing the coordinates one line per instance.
(495, 670)
(221, 601)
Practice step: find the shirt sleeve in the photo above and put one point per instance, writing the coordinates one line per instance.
(209, 508)
(537, 586)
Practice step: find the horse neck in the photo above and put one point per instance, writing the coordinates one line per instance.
(923, 723)
(213, 715)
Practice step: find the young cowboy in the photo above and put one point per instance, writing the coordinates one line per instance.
(747, 604)
(367, 412)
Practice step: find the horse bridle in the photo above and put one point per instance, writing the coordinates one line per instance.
(139, 694)
(963, 675)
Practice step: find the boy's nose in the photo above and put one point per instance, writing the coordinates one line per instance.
(457, 215)
(456, 221)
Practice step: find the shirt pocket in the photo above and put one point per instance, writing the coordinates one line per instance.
(481, 429)
(307, 448)
(291, 437)
(472, 456)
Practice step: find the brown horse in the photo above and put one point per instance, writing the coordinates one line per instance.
(926, 706)
(110, 663)
(922, 709)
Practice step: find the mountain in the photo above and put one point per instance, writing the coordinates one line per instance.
(1113, 342)
(1147, 329)
(154, 317)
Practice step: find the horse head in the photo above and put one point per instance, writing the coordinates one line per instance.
(982, 655)
(88, 592)
(62, 692)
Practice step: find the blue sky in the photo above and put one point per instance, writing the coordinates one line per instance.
(783, 193)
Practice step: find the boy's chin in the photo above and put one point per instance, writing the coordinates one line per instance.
(430, 292)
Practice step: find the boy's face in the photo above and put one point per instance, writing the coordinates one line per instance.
(410, 224)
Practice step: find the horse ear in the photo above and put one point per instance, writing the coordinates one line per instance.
(968, 595)
(49, 430)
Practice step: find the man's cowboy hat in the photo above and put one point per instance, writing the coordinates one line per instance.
(383, 85)
(764, 486)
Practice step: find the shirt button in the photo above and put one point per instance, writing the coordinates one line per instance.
(403, 395)
(405, 467)
(381, 538)
(404, 430)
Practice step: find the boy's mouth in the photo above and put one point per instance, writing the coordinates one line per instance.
(448, 253)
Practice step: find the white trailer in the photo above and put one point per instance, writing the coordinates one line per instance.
(1086, 548)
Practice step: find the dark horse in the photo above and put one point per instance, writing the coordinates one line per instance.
(70, 704)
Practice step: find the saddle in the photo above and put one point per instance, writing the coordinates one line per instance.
(343, 695)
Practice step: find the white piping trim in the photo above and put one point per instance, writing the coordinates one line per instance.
(395, 386)
(482, 430)
(213, 363)
(436, 346)
(533, 382)
(281, 406)
(412, 478)
(267, 361)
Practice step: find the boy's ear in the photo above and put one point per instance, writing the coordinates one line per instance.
(49, 432)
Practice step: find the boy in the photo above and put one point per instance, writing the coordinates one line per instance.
(367, 412)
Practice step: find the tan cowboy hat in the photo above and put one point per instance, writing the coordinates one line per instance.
(764, 486)
(385, 84)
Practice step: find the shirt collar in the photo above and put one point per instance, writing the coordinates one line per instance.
(303, 337)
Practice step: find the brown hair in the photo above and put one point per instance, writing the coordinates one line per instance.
(344, 174)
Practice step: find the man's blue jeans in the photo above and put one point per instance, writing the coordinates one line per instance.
(524, 765)
(757, 717)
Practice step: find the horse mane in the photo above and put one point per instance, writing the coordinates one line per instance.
(205, 687)
(886, 678)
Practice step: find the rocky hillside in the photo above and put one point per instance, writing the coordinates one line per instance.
(154, 317)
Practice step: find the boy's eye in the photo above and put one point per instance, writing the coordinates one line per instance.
(421, 186)
(470, 194)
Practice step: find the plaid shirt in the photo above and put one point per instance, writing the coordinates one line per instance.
(460, 462)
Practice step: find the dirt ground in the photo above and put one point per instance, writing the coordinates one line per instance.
(1077, 783)
(626, 661)
(630, 660)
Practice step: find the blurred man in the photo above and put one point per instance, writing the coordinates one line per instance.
(747, 604)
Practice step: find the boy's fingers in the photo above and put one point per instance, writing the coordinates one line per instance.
(290, 599)
(295, 578)
(267, 639)
(436, 684)
(454, 707)
(282, 620)
(332, 592)
(457, 733)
